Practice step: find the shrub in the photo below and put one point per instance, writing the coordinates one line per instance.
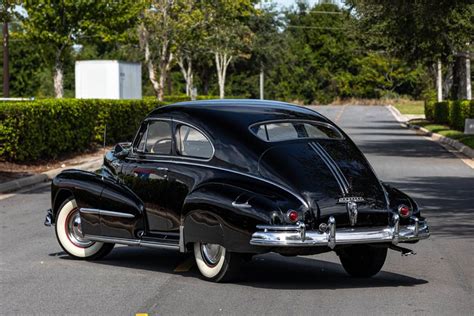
(47, 128)
(429, 109)
(459, 111)
(441, 112)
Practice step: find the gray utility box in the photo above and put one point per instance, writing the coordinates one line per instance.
(469, 127)
(108, 79)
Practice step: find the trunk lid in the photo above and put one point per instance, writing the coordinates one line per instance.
(328, 174)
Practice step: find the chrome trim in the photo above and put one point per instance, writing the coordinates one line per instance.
(181, 239)
(351, 208)
(396, 229)
(105, 213)
(332, 166)
(290, 236)
(132, 242)
(241, 205)
(171, 120)
(48, 220)
(334, 128)
(296, 195)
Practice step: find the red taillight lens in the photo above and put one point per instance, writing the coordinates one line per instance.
(292, 216)
(404, 211)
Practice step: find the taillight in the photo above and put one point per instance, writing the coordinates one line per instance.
(404, 211)
(292, 215)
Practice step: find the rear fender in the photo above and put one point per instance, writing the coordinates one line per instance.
(228, 215)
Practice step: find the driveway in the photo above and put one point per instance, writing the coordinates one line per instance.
(36, 277)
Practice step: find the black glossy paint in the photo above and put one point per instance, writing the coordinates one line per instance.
(247, 182)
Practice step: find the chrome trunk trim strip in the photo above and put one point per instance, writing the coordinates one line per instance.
(332, 166)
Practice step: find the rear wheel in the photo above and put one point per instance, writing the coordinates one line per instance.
(69, 234)
(216, 263)
(362, 261)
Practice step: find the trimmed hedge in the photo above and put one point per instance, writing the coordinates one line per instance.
(47, 128)
(452, 113)
(429, 109)
(441, 112)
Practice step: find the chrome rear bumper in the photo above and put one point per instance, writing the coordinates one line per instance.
(298, 236)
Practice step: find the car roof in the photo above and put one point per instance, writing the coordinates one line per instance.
(248, 111)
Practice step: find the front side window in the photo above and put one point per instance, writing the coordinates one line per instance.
(192, 143)
(156, 139)
(280, 131)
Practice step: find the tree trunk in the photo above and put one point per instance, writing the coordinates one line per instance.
(186, 67)
(439, 80)
(6, 67)
(58, 80)
(222, 62)
(144, 37)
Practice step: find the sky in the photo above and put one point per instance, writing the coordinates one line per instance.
(289, 3)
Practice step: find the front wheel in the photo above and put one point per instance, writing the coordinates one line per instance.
(215, 263)
(362, 261)
(70, 237)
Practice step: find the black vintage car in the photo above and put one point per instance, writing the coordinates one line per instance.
(230, 179)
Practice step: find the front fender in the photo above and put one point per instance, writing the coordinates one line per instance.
(96, 192)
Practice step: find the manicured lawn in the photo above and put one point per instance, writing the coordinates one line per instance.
(444, 130)
(410, 107)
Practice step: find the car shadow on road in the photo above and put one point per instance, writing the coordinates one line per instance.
(263, 271)
(277, 272)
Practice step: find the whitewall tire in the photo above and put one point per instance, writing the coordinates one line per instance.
(69, 234)
(216, 263)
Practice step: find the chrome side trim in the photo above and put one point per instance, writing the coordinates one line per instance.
(290, 236)
(286, 189)
(85, 210)
(132, 242)
(181, 239)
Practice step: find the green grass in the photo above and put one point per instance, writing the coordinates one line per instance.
(410, 107)
(444, 130)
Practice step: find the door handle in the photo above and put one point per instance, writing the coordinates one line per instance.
(161, 168)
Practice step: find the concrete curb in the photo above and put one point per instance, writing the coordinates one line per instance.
(444, 140)
(433, 136)
(18, 184)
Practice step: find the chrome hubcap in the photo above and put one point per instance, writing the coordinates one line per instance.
(211, 253)
(74, 231)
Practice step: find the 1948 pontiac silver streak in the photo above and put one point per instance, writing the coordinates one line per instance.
(230, 179)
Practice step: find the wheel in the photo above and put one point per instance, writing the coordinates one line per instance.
(69, 234)
(215, 263)
(362, 261)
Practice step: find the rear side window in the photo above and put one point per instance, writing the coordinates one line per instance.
(280, 131)
(192, 143)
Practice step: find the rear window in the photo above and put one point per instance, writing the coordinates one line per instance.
(287, 130)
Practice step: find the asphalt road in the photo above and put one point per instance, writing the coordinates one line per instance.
(36, 277)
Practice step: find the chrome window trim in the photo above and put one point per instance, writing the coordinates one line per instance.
(296, 195)
(334, 128)
(96, 211)
(171, 120)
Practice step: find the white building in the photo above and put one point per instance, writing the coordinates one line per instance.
(108, 79)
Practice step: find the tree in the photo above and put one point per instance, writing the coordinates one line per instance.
(7, 13)
(423, 31)
(189, 40)
(156, 32)
(61, 24)
(228, 36)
